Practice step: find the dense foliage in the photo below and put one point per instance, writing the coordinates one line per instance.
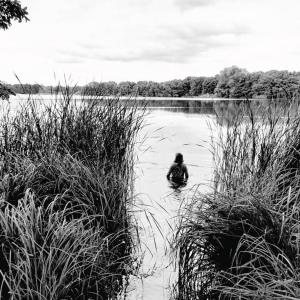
(11, 10)
(5, 91)
(232, 82)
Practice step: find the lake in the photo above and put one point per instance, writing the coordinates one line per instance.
(167, 131)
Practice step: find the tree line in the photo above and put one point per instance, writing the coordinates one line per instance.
(232, 82)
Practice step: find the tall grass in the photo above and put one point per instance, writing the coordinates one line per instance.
(241, 240)
(66, 192)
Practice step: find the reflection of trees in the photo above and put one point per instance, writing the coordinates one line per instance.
(185, 106)
(226, 111)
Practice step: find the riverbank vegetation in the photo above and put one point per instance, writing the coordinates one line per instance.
(242, 239)
(66, 191)
(232, 82)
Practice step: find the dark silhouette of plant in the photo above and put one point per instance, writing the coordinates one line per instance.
(5, 92)
(11, 11)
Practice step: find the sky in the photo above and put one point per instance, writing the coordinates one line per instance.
(159, 40)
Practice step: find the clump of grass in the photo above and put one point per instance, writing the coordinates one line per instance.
(46, 257)
(66, 171)
(241, 240)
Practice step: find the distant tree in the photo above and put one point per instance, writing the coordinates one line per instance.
(111, 88)
(5, 91)
(92, 88)
(126, 88)
(26, 88)
(209, 85)
(196, 86)
(255, 79)
(100, 88)
(278, 84)
(177, 87)
(153, 89)
(142, 88)
(11, 10)
(46, 89)
(34, 88)
(167, 91)
(241, 87)
(160, 90)
(234, 82)
(186, 84)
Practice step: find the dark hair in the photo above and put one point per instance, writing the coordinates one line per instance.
(178, 158)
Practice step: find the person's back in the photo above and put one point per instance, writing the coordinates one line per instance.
(178, 171)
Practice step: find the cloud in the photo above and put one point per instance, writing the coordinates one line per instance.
(69, 60)
(170, 54)
(191, 4)
(171, 44)
(199, 33)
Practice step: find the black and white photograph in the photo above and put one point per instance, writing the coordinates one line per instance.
(149, 150)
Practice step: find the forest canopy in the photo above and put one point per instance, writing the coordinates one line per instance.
(232, 82)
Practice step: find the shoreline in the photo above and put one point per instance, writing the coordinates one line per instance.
(138, 98)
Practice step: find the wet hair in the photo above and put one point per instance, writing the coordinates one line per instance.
(178, 158)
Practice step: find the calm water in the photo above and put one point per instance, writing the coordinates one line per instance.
(168, 131)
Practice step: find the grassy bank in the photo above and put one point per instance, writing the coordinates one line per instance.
(241, 240)
(66, 191)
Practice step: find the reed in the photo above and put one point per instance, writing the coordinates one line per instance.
(241, 240)
(66, 192)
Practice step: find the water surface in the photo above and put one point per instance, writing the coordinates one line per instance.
(168, 131)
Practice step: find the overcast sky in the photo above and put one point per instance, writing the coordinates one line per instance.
(149, 39)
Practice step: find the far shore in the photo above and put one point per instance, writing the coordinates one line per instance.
(139, 98)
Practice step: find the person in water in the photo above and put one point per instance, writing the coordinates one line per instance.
(178, 173)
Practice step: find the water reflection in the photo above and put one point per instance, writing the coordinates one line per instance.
(225, 111)
(177, 186)
(169, 131)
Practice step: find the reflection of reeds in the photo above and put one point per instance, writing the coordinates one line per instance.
(67, 171)
(241, 241)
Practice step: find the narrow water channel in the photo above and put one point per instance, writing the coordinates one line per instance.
(167, 132)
